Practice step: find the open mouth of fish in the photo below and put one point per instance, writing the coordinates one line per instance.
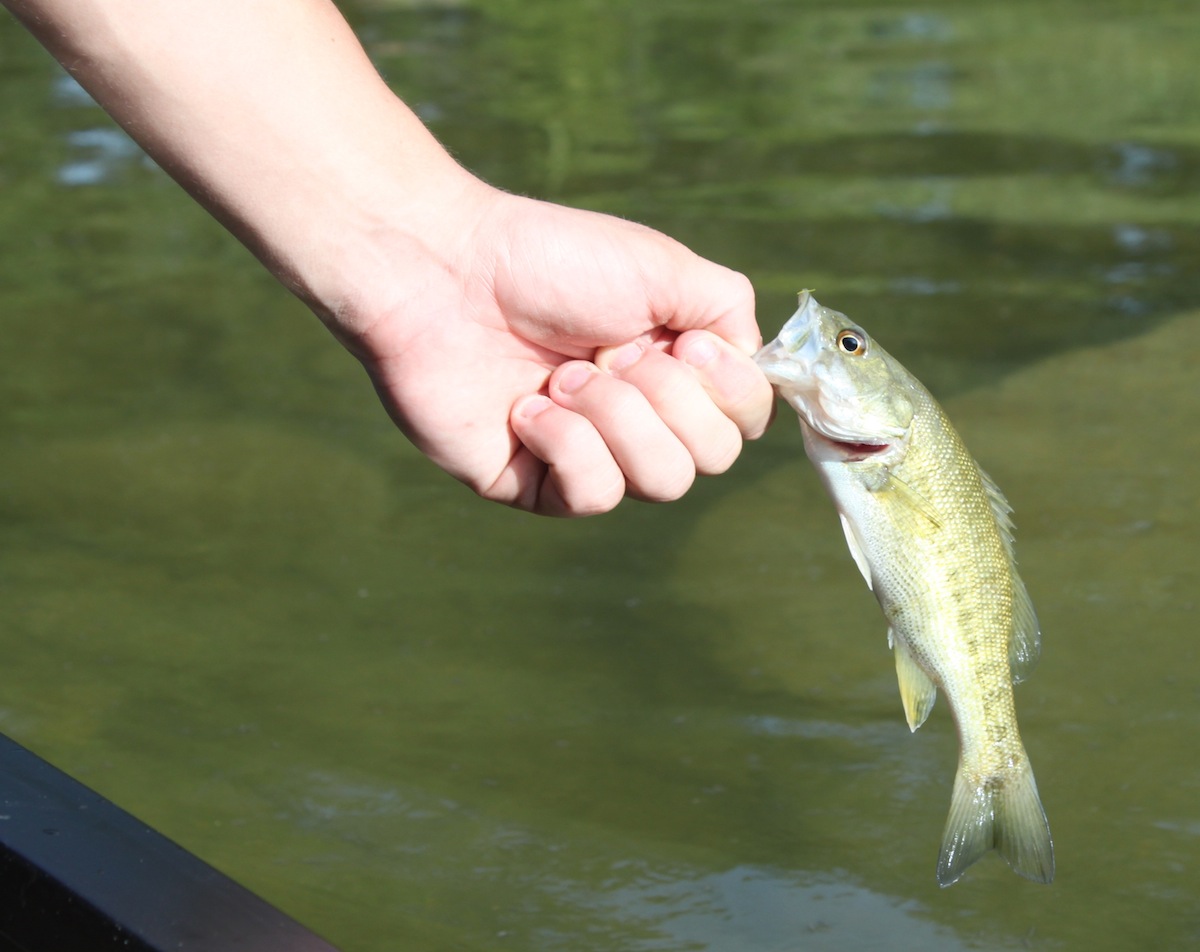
(853, 452)
(849, 451)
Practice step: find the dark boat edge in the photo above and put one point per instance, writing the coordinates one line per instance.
(79, 874)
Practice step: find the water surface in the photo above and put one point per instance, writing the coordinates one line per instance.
(233, 600)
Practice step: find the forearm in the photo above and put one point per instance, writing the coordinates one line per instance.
(270, 113)
(474, 312)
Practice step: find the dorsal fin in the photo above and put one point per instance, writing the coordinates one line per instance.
(1025, 646)
(1001, 510)
(1026, 643)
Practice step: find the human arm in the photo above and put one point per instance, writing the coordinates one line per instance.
(470, 308)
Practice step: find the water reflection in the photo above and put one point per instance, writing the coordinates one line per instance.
(557, 887)
(760, 910)
(927, 87)
(67, 92)
(911, 26)
(1138, 165)
(235, 602)
(100, 155)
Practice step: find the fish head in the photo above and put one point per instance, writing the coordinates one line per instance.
(853, 395)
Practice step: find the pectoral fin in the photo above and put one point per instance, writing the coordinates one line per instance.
(917, 690)
(913, 499)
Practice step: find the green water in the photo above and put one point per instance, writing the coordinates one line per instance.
(233, 600)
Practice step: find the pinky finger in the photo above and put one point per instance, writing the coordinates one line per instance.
(580, 476)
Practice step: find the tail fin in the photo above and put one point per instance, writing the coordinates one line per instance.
(1001, 813)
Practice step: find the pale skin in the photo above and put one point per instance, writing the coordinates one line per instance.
(552, 359)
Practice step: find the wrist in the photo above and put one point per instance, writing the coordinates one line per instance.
(384, 245)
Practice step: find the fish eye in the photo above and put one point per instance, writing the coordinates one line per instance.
(852, 342)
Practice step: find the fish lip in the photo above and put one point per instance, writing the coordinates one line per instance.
(772, 357)
(850, 450)
(780, 353)
(857, 452)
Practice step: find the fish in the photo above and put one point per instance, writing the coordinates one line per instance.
(932, 535)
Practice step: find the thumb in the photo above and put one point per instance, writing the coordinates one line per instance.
(693, 293)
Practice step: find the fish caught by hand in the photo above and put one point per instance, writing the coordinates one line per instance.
(931, 534)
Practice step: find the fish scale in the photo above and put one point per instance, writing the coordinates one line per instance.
(932, 535)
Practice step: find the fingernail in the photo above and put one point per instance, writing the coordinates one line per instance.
(533, 406)
(700, 353)
(624, 356)
(574, 377)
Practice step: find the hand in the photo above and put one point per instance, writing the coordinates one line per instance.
(565, 358)
(551, 359)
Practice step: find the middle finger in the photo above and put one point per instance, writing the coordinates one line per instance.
(656, 464)
(681, 401)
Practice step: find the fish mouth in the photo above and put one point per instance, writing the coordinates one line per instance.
(857, 452)
(776, 359)
(833, 448)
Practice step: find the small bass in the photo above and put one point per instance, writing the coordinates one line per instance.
(931, 534)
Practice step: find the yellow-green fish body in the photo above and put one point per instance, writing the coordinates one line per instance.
(931, 534)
